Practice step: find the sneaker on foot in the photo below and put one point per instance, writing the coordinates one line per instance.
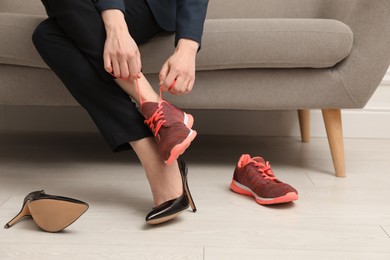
(171, 128)
(254, 177)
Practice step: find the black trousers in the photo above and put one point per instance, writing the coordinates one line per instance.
(71, 42)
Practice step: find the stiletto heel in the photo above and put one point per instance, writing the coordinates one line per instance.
(172, 208)
(50, 213)
(186, 189)
(192, 204)
(23, 213)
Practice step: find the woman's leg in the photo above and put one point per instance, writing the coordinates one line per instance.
(159, 174)
(112, 110)
(80, 20)
(110, 107)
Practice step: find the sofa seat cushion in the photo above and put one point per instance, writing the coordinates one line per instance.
(227, 43)
(16, 47)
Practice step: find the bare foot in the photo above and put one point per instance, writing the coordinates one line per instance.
(165, 180)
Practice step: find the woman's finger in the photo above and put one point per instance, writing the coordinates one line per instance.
(162, 76)
(124, 69)
(116, 69)
(190, 85)
(107, 63)
(178, 88)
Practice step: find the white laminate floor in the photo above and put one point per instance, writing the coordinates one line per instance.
(335, 218)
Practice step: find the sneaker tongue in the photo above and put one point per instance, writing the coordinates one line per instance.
(246, 159)
(258, 159)
(148, 108)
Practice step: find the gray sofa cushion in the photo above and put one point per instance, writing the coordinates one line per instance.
(16, 47)
(280, 43)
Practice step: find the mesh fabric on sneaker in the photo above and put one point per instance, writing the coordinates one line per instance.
(254, 177)
(172, 114)
(167, 123)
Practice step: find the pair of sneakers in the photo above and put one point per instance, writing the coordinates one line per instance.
(170, 126)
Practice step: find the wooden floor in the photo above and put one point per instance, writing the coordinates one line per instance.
(335, 218)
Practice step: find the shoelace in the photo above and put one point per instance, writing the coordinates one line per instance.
(156, 121)
(141, 101)
(265, 170)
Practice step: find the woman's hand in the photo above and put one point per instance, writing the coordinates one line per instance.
(121, 55)
(178, 73)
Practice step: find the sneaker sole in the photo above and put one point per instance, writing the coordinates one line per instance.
(179, 149)
(243, 190)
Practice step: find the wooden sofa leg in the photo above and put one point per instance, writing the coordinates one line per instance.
(332, 120)
(304, 124)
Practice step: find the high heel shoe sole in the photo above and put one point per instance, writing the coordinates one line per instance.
(55, 215)
(164, 219)
(49, 214)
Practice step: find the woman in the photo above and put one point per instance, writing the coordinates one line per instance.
(92, 46)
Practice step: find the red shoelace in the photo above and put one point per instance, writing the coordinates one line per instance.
(265, 170)
(156, 121)
(141, 101)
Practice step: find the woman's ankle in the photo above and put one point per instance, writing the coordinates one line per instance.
(167, 186)
(140, 90)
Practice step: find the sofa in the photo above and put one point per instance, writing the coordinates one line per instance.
(256, 55)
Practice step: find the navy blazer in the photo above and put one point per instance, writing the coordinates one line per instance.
(185, 17)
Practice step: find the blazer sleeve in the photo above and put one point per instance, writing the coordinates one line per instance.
(190, 17)
(102, 5)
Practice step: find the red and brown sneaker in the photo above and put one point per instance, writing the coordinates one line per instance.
(171, 128)
(254, 177)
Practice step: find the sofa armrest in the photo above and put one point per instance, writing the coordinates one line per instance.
(363, 70)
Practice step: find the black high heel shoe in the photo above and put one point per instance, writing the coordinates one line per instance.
(171, 208)
(50, 213)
